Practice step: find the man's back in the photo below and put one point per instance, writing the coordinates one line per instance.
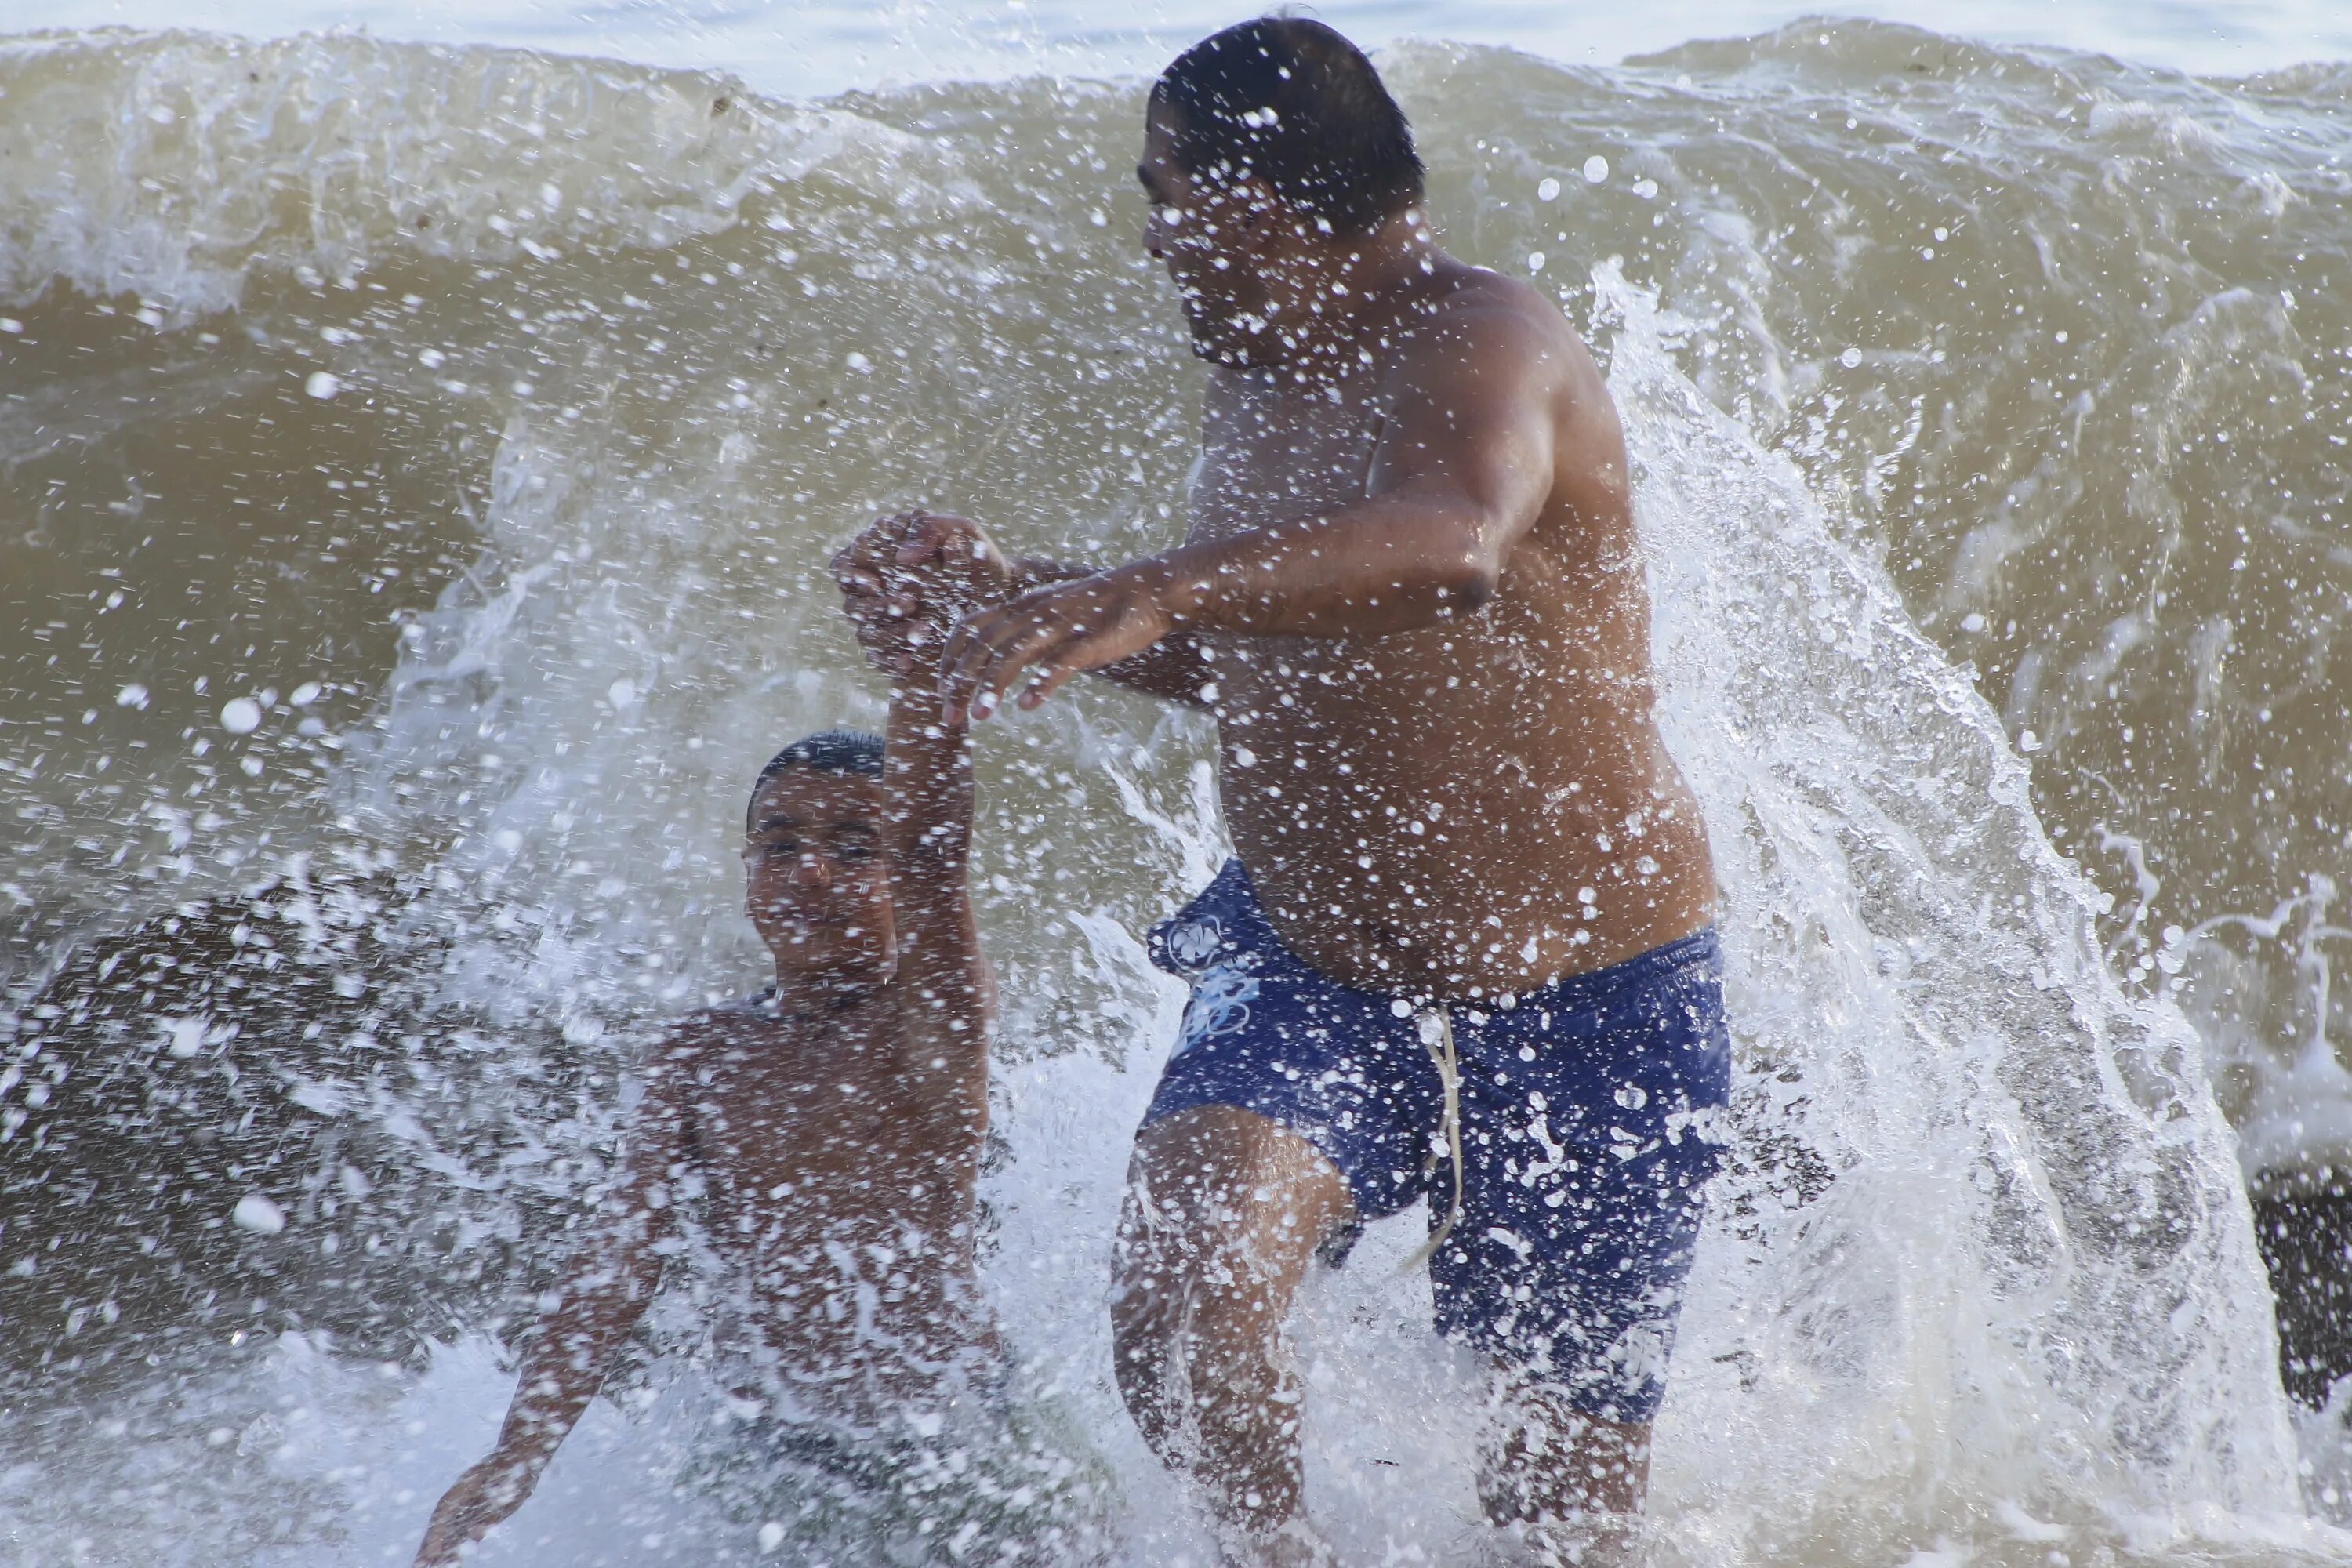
(1483, 803)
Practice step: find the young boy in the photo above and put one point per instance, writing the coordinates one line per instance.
(820, 1143)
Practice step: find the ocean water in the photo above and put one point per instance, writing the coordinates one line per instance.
(417, 462)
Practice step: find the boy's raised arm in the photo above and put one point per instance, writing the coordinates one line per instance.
(581, 1328)
(927, 833)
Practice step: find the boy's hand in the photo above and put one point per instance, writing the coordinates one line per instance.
(906, 580)
(482, 1498)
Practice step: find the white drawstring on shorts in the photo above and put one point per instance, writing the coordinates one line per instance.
(1437, 1035)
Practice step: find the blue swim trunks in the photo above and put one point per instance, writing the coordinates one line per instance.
(1586, 1127)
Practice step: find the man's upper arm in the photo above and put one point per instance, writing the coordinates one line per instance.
(1471, 421)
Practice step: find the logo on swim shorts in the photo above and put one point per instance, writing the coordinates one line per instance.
(1192, 942)
(1220, 1005)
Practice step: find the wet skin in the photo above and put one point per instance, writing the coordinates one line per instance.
(1412, 595)
(840, 1118)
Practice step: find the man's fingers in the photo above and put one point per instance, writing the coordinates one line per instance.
(1036, 644)
(973, 654)
(1049, 677)
(970, 632)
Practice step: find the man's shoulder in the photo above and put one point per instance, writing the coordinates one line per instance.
(1485, 314)
(1480, 294)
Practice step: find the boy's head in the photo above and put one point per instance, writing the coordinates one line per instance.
(817, 886)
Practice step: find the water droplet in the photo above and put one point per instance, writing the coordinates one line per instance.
(131, 696)
(1596, 168)
(322, 385)
(240, 716)
(256, 1213)
(1548, 191)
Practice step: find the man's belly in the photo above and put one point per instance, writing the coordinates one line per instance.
(1456, 866)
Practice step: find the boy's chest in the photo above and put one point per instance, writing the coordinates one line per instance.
(811, 1135)
(818, 1115)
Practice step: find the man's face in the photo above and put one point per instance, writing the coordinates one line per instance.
(816, 884)
(1209, 237)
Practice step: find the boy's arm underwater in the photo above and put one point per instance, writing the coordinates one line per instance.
(581, 1325)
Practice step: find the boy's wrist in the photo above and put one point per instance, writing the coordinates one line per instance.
(524, 1457)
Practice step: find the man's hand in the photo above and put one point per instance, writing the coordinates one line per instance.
(906, 580)
(1053, 633)
(483, 1497)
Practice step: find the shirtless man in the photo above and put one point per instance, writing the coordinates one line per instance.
(825, 1137)
(1465, 949)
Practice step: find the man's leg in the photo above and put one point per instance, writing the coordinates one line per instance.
(1549, 1461)
(1225, 1211)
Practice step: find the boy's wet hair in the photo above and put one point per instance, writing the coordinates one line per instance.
(850, 753)
(1295, 105)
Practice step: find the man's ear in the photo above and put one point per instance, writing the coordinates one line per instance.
(1260, 215)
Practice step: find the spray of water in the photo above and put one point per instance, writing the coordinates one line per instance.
(572, 375)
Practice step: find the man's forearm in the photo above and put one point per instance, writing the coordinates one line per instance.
(1173, 669)
(1385, 565)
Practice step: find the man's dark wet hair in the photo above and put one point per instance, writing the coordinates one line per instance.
(850, 753)
(1295, 105)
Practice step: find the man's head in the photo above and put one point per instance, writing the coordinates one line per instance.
(1269, 149)
(816, 884)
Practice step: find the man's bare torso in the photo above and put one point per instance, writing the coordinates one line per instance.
(1477, 806)
(839, 1200)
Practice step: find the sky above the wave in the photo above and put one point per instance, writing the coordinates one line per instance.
(807, 47)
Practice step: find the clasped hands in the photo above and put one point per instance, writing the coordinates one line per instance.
(922, 580)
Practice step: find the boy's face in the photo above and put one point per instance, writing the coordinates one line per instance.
(816, 884)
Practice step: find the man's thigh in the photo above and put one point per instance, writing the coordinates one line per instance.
(1220, 1196)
